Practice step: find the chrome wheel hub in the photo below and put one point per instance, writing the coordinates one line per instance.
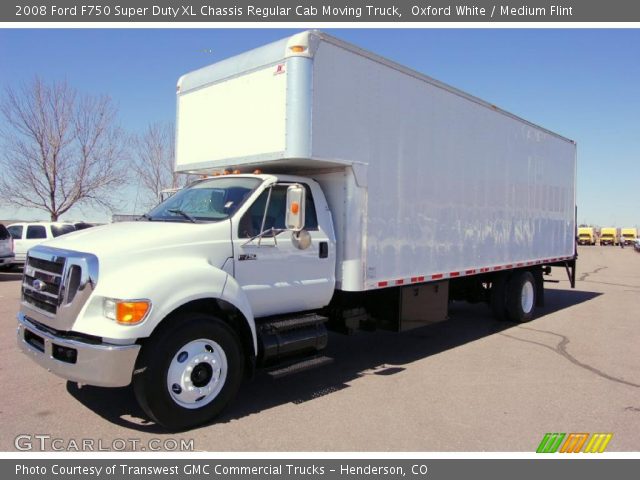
(526, 297)
(197, 373)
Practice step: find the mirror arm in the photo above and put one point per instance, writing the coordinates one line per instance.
(264, 216)
(250, 240)
(274, 231)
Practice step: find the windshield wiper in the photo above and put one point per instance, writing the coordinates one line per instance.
(146, 216)
(183, 213)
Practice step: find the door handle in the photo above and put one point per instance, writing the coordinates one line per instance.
(324, 249)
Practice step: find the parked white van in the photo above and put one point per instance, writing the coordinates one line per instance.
(30, 234)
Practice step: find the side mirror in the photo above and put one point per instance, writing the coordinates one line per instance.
(294, 219)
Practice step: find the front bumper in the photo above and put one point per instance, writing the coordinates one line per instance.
(101, 364)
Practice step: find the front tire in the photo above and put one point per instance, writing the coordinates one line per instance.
(521, 297)
(189, 371)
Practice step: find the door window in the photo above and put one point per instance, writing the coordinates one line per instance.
(251, 222)
(57, 230)
(36, 231)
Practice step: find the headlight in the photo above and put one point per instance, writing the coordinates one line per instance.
(126, 312)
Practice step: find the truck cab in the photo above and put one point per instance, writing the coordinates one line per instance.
(628, 235)
(586, 236)
(609, 236)
(226, 245)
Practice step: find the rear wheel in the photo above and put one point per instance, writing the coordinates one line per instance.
(521, 297)
(498, 297)
(189, 371)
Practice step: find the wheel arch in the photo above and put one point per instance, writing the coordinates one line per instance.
(229, 314)
(232, 307)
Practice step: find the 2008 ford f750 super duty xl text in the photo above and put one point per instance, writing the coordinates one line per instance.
(342, 191)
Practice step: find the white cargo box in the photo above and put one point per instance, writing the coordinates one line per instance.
(425, 182)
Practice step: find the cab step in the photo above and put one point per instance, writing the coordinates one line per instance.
(301, 366)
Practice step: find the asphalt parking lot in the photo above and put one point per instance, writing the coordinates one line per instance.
(468, 384)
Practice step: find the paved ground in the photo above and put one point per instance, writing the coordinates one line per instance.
(469, 384)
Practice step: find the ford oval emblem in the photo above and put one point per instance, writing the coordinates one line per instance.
(39, 285)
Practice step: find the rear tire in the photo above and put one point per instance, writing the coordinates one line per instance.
(187, 373)
(498, 298)
(521, 297)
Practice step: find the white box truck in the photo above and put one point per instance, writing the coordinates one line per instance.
(342, 191)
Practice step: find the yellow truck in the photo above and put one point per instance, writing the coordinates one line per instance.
(586, 236)
(609, 236)
(628, 235)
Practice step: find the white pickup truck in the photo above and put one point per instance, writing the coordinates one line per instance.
(344, 191)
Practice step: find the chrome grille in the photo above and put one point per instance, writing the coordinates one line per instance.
(42, 283)
(56, 284)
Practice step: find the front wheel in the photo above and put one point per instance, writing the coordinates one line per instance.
(187, 373)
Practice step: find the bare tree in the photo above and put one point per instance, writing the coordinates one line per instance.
(60, 149)
(155, 152)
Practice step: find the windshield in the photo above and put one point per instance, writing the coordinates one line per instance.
(209, 200)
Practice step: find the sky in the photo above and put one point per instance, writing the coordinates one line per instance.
(581, 83)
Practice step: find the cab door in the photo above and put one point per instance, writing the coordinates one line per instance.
(276, 275)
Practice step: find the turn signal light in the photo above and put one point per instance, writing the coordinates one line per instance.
(297, 48)
(130, 313)
(126, 312)
(295, 208)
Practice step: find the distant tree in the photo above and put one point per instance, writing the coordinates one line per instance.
(60, 148)
(154, 164)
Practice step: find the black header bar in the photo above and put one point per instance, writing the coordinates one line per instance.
(265, 11)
